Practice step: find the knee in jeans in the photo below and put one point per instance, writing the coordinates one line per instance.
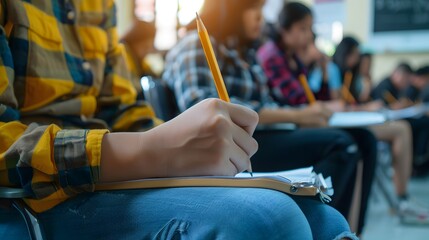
(334, 226)
(271, 215)
(174, 229)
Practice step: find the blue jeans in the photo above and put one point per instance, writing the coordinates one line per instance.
(185, 213)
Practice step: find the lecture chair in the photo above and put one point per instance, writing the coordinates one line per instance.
(13, 197)
(383, 181)
(160, 96)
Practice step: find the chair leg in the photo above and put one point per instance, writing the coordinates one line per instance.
(383, 176)
(383, 183)
(33, 225)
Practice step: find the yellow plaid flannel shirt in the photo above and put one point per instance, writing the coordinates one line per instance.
(60, 62)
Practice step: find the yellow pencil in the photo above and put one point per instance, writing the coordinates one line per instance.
(307, 90)
(389, 97)
(347, 95)
(214, 67)
(211, 59)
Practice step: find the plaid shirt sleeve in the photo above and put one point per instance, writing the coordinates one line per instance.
(285, 87)
(49, 163)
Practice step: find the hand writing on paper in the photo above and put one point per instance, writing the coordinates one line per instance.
(315, 115)
(211, 138)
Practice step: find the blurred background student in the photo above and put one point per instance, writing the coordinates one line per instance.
(139, 41)
(347, 58)
(365, 77)
(392, 88)
(324, 76)
(418, 89)
(405, 88)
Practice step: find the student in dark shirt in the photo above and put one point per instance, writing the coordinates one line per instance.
(404, 89)
(418, 92)
(390, 89)
(425, 95)
(418, 87)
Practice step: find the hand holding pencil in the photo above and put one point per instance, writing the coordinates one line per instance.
(308, 93)
(214, 67)
(345, 90)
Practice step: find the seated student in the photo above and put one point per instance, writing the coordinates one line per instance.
(281, 64)
(390, 90)
(332, 152)
(404, 89)
(324, 76)
(53, 76)
(399, 134)
(422, 74)
(347, 58)
(417, 90)
(366, 79)
(139, 42)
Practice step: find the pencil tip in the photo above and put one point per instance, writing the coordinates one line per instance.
(200, 25)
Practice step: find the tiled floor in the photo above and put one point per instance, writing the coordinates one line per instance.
(381, 224)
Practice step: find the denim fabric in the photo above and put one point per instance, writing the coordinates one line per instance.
(185, 213)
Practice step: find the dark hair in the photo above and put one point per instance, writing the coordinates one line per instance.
(344, 49)
(290, 14)
(404, 67)
(366, 55)
(423, 71)
(223, 18)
